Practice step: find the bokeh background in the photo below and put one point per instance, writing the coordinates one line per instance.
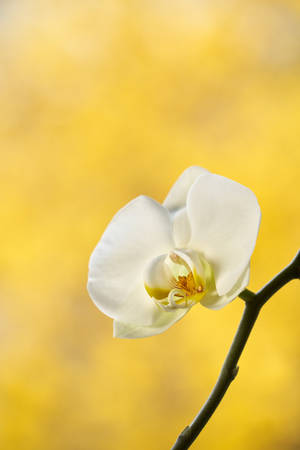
(102, 101)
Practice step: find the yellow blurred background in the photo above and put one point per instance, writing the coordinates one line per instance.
(102, 101)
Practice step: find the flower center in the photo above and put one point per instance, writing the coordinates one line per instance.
(188, 285)
(178, 280)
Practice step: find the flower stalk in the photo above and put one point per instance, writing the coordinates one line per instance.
(253, 305)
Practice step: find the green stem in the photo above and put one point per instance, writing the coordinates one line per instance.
(254, 303)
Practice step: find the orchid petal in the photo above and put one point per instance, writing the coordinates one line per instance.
(224, 218)
(181, 228)
(139, 232)
(163, 322)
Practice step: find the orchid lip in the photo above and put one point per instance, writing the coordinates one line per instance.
(184, 280)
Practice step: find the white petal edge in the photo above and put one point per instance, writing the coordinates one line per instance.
(176, 198)
(137, 233)
(224, 218)
(165, 321)
(214, 301)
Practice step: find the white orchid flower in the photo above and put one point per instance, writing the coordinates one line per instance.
(155, 262)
